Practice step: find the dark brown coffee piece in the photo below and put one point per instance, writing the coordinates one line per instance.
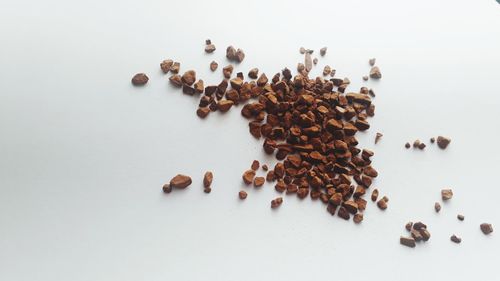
(437, 207)
(343, 213)
(407, 145)
(207, 179)
(421, 146)
(231, 53)
(214, 65)
(322, 51)
(486, 228)
(180, 181)
(248, 176)
(460, 217)
(203, 112)
(175, 68)
(227, 71)
(253, 73)
(416, 143)
(199, 87)
(446, 194)
(375, 73)
(407, 241)
(416, 235)
(408, 226)
(358, 218)
(242, 194)
(210, 48)
(240, 55)
(176, 80)
(259, 181)
(382, 204)
(167, 188)
(433, 140)
(378, 136)
(264, 167)
(166, 65)
(374, 195)
(140, 79)
(189, 77)
(255, 165)
(426, 235)
(276, 202)
(443, 142)
(419, 225)
(455, 239)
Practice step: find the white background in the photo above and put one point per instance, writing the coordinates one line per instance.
(83, 154)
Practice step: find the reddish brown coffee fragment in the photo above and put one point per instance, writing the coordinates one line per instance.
(432, 140)
(378, 136)
(486, 228)
(140, 79)
(253, 73)
(443, 142)
(374, 195)
(460, 217)
(176, 80)
(248, 176)
(382, 203)
(259, 181)
(437, 207)
(275, 203)
(446, 194)
(358, 218)
(407, 145)
(455, 239)
(175, 68)
(264, 167)
(372, 61)
(203, 112)
(409, 226)
(207, 179)
(242, 194)
(255, 165)
(167, 188)
(180, 181)
(166, 65)
(227, 71)
(214, 65)
(375, 73)
(407, 241)
(322, 51)
(210, 48)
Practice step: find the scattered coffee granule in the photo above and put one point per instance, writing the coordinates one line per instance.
(433, 140)
(259, 181)
(407, 241)
(224, 105)
(419, 225)
(207, 179)
(248, 176)
(167, 188)
(180, 181)
(166, 65)
(358, 218)
(315, 61)
(407, 145)
(372, 61)
(437, 207)
(327, 70)
(486, 228)
(374, 195)
(175, 68)
(382, 203)
(209, 47)
(378, 136)
(375, 73)
(443, 142)
(253, 73)
(416, 235)
(270, 176)
(227, 71)
(189, 77)
(421, 146)
(231, 53)
(140, 79)
(280, 186)
(264, 167)
(455, 239)
(214, 65)
(302, 50)
(255, 165)
(322, 51)
(308, 62)
(365, 78)
(242, 194)
(460, 217)
(276, 202)
(409, 225)
(416, 144)
(203, 112)
(199, 87)
(240, 55)
(371, 92)
(446, 194)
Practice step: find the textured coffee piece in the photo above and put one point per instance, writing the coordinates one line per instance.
(327, 70)
(486, 228)
(446, 194)
(140, 79)
(374, 195)
(175, 68)
(421, 146)
(176, 80)
(253, 73)
(308, 62)
(210, 48)
(167, 188)
(358, 218)
(255, 165)
(322, 51)
(203, 112)
(409, 226)
(416, 235)
(416, 143)
(460, 217)
(443, 142)
(432, 140)
(231, 53)
(375, 73)
(455, 239)
(343, 213)
(199, 87)
(180, 181)
(248, 176)
(224, 105)
(426, 235)
(437, 207)
(166, 65)
(378, 136)
(214, 65)
(276, 202)
(372, 61)
(189, 77)
(259, 181)
(240, 55)
(227, 71)
(407, 241)
(419, 225)
(365, 78)
(407, 145)
(242, 194)
(264, 167)
(382, 204)
(207, 179)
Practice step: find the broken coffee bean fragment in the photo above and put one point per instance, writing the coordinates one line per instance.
(275, 203)
(175, 68)
(372, 61)
(407, 241)
(203, 112)
(253, 73)
(180, 181)
(207, 179)
(409, 226)
(140, 79)
(255, 165)
(437, 207)
(382, 203)
(322, 51)
(214, 65)
(378, 136)
(358, 218)
(189, 77)
(407, 145)
(432, 140)
(209, 48)
(374, 195)
(166, 65)
(365, 78)
(443, 142)
(486, 228)
(227, 71)
(242, 195)
(259, 181)
(375, 73)
(455, 239)
(460, 217)
(248, 176)
(176, 80)
(446, 194)
(167, 188)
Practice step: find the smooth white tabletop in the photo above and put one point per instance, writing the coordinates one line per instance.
(83, 154)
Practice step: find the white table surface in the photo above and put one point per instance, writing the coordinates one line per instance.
(83, 154)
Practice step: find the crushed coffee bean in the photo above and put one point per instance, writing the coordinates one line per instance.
(378, 136)
(140, 79)
(180, 181)
(437, 207)
(327, 70)
(231, 53)
(460, 217)
(207, 189)
(407, 145)
(166, 65)
(455, 239)
(259, 181)
(167, 188)
(248, 176)
(358, 218)
(375, 73)
(176, 80)
(199, 87)
(253, 73)
(343, 213)
(227, 71)
(242, 194)
(214, 65)
(382, 204)
(433, 140)
(421, 146)
(264, 167)
(409, 225)
(203, 112)
(275, 203)
(189, 77)
(371, 61)
(416, 235)
(419, 225)
(407, 241)
(207, 179)
(365, 78)
(446, 194)
(322, 51)
(255, 165)
(374, 195)
(175, 68)
(240, 55)
(443, 142)
(486, 228)
(416, 144)
(210, 48)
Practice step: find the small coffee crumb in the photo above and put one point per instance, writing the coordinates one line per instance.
(255, 165)
(486, 228)
(416, 143)
(371, 61)
(365, 78)
(433, 140)
(140, 79)
(230, 53)
(276, 202)
(165, 65)
(248, 176)
(322, 51)
(167, 188)
(180, 181)
(407, 241)
(375, 73)
(455, 239)
(437, 207)
(214, 65)
(421, 146)
(409, 225)
(227, 71)
(315, 61)
(242, 194)
(189, 77)
(259, 181)
(264, 167)
(378, 136)
(382, 203)
(210, 48)
(253, 73)
(407, 145)
(446, 194)
(374, 195)
(203, 112)
(175, 68)
(199, 87)
(240, 55)
(358, 218)
(460, 217)
(419, 225)
(443, 142)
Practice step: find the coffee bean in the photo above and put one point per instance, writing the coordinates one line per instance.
(446, 194)
(210, 48)
(253, 73)
(176, 80)
(486, 228)
(408, 226)
(382, 203)
(374, 195)
(224, 105)
(255, 165)
(375, 73)
(416, 143)
(207, 179)
(227, 71)
(416, 235)
(202, 112)
(166, 65)
(207, 189)
(276, 202)
(460, 217)
(242, 194)
(231, 53)
(437, 207)
(180, 181)
(175, 68)
(407, 241)
(419, 225)
(421, 146)
(259, 181)
(327, 70)
(214, 65)
(264, 167)
(167, 188)
(240, 55)
(189, 77)
(433, 140)
(198, 87)
(426, 235)
(407, 145)
(140, 79)
(455, 239)
(343, 213)
(358, 218)
(443, 142)
(248, 176)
